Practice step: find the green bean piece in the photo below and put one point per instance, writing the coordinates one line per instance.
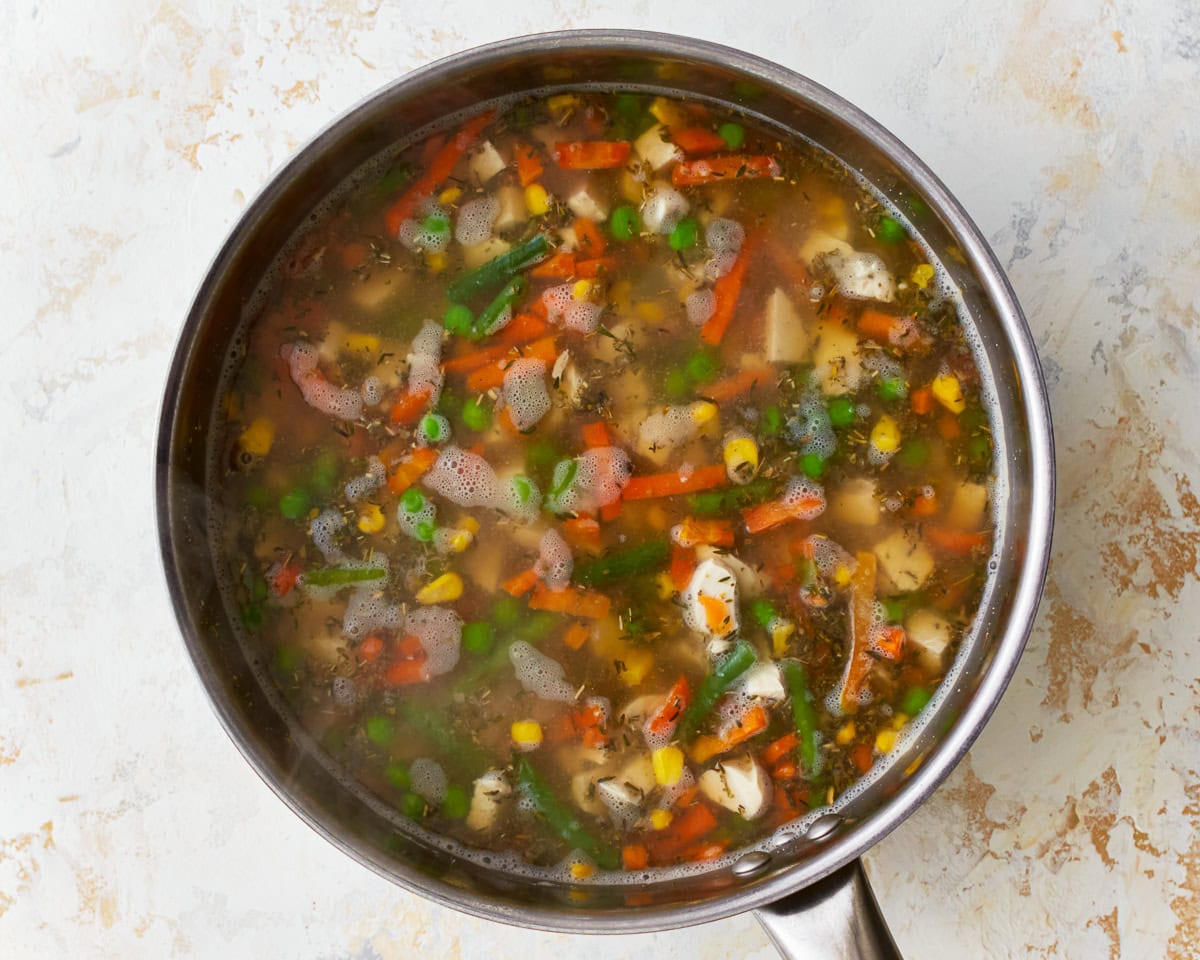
(252, 616)
(614, 567)
(488, 321)
(476, 415)
(412, 806)
(500, 269)
(734, 135)
(722, 501)
(772, 421)
(452, 749)
(625, 223)
(764, 612)
(914, 452)
(804, 714)
(506, 611)
(559, 818)
(342, 576)
(702, 366)
(287, 659)
(676, 384)
(740, 659)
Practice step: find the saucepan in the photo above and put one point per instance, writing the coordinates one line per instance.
(809, 891)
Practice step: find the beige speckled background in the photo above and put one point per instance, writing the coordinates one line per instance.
(133, 134)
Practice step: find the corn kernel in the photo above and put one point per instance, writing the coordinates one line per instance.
(581, 871)
(885, 740)
(257, 438)
(527, 733)
(845, 734)
(449, 195)
(582, 289)
(781, 632)
(470, 524)
(561, 105)
(660, 819)
(631, 187)
(437, 262)
(537, 200)
(371, 518)
(948, 392)
(668, 765)
(658, 517)
(899, 720)
(651, 311)
(637, 665)
(667, 113)
(360, 342)
(702, 412)
(922, 275)
(621, 294)
(741, 459)
(841, 576)
(885, 435)
(447, 587)
(459, 540)
(665, 585)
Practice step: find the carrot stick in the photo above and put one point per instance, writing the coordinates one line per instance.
(957, 542)
(492, 375)
(753, 722)
(522, 583)
(583, 532)
(440, 167)
(715, 533)
(591, 154)
(698, 140)
(408, 409)
(690, 826)
(726, 291)
(634, 856)
(573, 600)
(561, 266)
(741, 382)
(662, 723)
(529, 165)
(924, 506)
(683, 565)
(409, 470)
(692, 173)
(877, 325)
(589, 239)
(404, 672)
(784, 745)
(595, 436)
(771, 514)
(523, 328)
(597, 266)
(671, 484)
(862, 613)
(576, 636)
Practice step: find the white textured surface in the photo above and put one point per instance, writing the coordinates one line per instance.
(134, 133)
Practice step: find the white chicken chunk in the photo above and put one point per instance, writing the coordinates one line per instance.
(655, 150)
(486, 162)
(931, 633)
(584, 204)
(861, 276)
(710, 604)
(740, 785)
(904, 561)
(763, 682)
(491, 790)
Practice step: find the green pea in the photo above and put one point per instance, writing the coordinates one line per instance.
(733, 134)
(449, 404)
(892, 388)
(894, 610)
(813, 465)
(979, 448)
(625, 224)
(258, 588)
(702, 366)
(842, 412)
(456, 804)
(478, 638)
(917, 208)
(252, 617)
(287, 659)
(771, 422)
(889, 230)
(412, 500)
(538, 625)
(431, 427)
(294, 504)
(676, 385)
(914, 453)
(915, 699)
(412, 806)
(476, 415)
(380, 729)
(747, 89)
(435, 225)
(458, 319)
(397, 775)
(685, 234)
(506, 611)
(425, 531)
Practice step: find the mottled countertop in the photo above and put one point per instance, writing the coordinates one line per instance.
(134, 132)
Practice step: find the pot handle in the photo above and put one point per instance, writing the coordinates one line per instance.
(836, 918)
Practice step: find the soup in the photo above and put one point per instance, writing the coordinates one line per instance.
(606, 481)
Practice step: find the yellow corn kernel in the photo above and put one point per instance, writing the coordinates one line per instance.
(582, 289)
(845, 734)
(922, 275)
(660, 819)
(781, 632)
(899, 720)
(561, 105)
(667, 113)
(651, 311)
(668, 765)
(703, 411)
(637, 665)
(632, 188)
(437, 262)
(371, 518)
(470, 524)
(948, 392)
(537, 200)
(913, 767)
(459, 540)
(741, 459)
(885, 435)
(447, 587)
(841, 576)
(257, 438)
(621, 295)
(885, 740)
(665, 585)
(449, 195)
(360, 342)
(658, 517)
(581, 871)
(527, 733)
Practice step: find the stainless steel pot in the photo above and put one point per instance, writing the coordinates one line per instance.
(811, 894)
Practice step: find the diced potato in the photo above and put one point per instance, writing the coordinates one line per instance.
(481, 253)
(904, 561)
(855, 502)
(512, 209)
(764, 682)
(639, 772)
(930, 632)
(740, 785)
(836, 358)
(820, 242)
(655, 150)
(567, 241)
(486, 162)
(968, 507)
(787, 334)
(584, 204)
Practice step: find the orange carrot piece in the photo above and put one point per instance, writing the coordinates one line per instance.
(714, 533)
(370, 649)
(523, 328)
(404, 672)
(878, 325)
(410, 647)
(692, 173)
(588, 238)
(924, 506)
(685, 830)
(753, 722)
(781, 747)
(922, 401)
(594, 737)
(492, 375)
(716, 613)
(283, 578)
(408, 409)
(596, 267)
(582, 532)
(529, 164)
(860, 756)
(862, 613)
(561, 266)
(438, 169)
(698, 140)
(573, 600)
(784, 770)
(739, 383)
(591, 154)
(634, 856)
(595, 434)
(671, 484)
(665, 717)
(771, 514)
(705, 851)
(784, 260)
(576, 636)
(522, 583)
(889, 641)
(957, 542)
(726, 292)
(409, 470)
(949, 427)
(683, 565)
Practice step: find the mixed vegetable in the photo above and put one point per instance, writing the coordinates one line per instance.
(608, 481)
